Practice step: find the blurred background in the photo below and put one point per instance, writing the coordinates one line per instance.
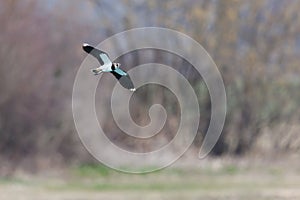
(255, 44)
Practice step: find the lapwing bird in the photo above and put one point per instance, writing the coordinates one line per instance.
(106, 65)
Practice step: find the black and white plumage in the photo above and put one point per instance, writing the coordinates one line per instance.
(106, 65)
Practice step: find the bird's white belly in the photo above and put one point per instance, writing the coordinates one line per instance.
(106, 68)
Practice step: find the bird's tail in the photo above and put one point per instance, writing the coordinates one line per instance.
(97, 71)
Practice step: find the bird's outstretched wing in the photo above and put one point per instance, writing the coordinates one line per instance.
(101, 56)
(124, 79)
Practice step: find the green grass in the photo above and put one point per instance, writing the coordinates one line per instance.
(128, 186)
(92, 170)
(99, 182)
(12, 180)
(101, 178)
(230, 169)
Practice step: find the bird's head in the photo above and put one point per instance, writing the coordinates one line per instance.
(117, 65)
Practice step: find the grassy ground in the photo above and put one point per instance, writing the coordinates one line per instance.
(98, 182)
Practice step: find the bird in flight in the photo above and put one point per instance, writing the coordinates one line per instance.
(106, 65)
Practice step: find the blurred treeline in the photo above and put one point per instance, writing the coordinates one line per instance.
(255, 44)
